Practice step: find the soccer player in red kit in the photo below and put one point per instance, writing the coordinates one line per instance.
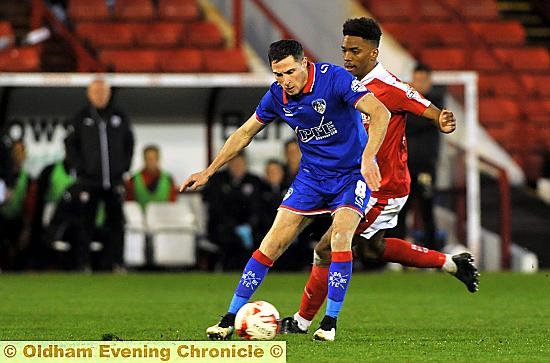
(360, 52)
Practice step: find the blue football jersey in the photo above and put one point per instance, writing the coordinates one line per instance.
(329, 128)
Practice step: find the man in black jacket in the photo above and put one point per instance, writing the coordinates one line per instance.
(99, 145)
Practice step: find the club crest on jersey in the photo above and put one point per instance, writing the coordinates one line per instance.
(357, 86)
(319, 105)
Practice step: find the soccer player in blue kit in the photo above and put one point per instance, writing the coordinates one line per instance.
(320, 102)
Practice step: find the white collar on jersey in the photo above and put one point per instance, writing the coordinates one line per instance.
(377, 72)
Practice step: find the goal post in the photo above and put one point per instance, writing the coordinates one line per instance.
(469, 142)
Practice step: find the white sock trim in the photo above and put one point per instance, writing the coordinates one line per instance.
(302, 323)
(449, 265)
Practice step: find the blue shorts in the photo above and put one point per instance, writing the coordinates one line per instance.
(310, 195)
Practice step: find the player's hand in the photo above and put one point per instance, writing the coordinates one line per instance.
(371, 173)
(447, 121)
(194, 181)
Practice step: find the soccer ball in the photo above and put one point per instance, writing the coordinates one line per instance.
(257, 320)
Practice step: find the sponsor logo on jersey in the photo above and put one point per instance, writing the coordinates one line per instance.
(324, 130)
(319, 105)
(324, 68)
(357, 86)
(287, 112)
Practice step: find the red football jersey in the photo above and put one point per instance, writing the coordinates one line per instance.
(399, 98)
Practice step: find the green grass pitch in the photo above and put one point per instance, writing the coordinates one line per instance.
(387, 317)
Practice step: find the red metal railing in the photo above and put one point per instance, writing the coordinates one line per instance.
(505, 212)
(85, 61)
(285, 32)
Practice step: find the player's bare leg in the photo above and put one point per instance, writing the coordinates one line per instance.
(284, 230)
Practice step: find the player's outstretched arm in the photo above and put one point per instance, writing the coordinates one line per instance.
(443, 119)
(233, 145)
(378, 125)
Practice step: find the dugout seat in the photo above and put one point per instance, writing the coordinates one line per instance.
(87, 10)
(537, 111)
(134, 10)
(159, 34)
(24, 59)
(443, 34)
(181, 61)
(499, 84)
(204, 35)
(180, 10)
(399, 10)
(107, 35)
(500, 33)
(483, 59)
(225, 60)
(135, 234)
(526, 59)
(129, 60)
(498, 111)
(476, 9)
(542, 82)
(444, 58)
(173, 229)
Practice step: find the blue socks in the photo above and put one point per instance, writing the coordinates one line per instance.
(253, 275)
(339, 275)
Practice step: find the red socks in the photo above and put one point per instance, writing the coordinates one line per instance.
(410, 255)
(314, 293)
(397, 250)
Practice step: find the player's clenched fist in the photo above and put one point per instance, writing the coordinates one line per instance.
(447, 121)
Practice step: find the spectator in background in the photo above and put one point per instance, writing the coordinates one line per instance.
(151, 184)
(16, 212)
(5, 166)
(233, 199)
(99, 145)
(423, 148)
(52, 183)
(63, 224)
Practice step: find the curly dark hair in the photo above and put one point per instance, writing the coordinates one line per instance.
(365, 28)
(281, 49)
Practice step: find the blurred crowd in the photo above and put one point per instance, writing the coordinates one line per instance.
(71, 216)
